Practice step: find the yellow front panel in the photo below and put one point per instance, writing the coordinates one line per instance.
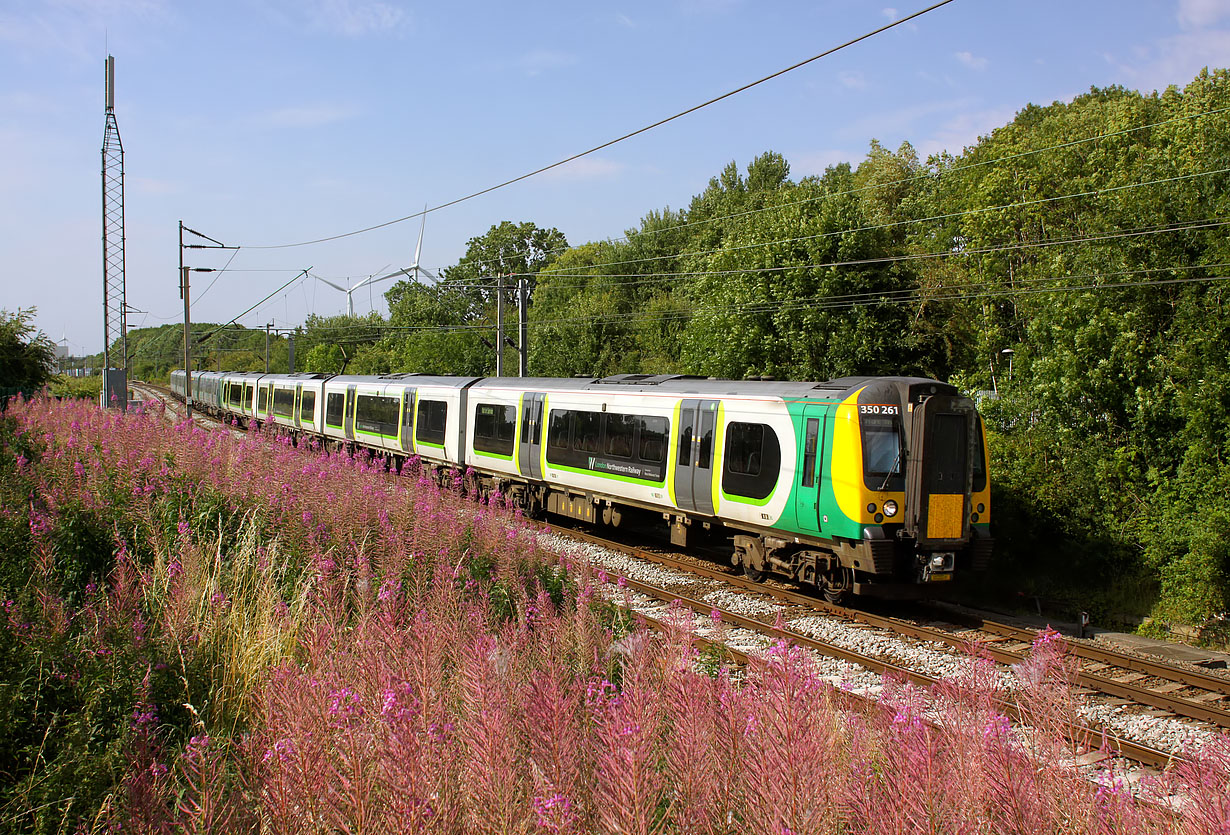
(945, 515)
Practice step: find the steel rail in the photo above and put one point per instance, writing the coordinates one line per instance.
(1142, 695)
(1083, 735)
(1104, 655)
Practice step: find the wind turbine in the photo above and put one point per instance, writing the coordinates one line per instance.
(412, 271)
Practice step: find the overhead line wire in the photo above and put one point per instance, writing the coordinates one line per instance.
(847, 301)
(931, 219)
(619, 139)
(906, 180)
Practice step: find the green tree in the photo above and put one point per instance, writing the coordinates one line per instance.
(27, 355)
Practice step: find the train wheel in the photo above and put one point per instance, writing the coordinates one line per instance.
(837, 585)
(753, 574)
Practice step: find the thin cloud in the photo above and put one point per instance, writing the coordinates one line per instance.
(1194, 14)
(623, 20)
(585, 169)
(307, 117)
(1176, 59)
(964, 130)
(356, 18)
(545, 60)
(814, 163)
(890, 13)
(72, 27)
(151, 185)
(852, 80)
(970, 60)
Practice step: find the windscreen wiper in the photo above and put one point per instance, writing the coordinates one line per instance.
(892, 471)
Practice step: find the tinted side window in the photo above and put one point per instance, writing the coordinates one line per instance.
(376, 414)
(335, 408)
(262, 399)
(620, 435)
(432, 419)
(655, 432)
(751, 461)
(809, 452)
(307, 406)
(587, 431)
(283, 402)
(628, 446)
(559, 430)
(980, 460)
(685, 439)
(494, 427)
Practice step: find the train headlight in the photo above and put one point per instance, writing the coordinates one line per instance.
(890, 508)
(942, 562)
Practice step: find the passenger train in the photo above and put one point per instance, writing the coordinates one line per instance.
(875, 486)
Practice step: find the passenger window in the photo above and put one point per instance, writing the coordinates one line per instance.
(559, 429)
(335, 404)
(809, 452)
(432, 420)
(620, 435)
(685, 443)
(494, 426)
(654, 434)
(752, 460)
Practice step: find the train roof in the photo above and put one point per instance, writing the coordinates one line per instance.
(622, 383)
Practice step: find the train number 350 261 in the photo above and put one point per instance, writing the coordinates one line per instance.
(878, 409)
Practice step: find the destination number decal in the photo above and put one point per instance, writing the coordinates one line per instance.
(878, 409)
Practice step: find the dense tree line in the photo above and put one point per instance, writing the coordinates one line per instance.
(1070, 263)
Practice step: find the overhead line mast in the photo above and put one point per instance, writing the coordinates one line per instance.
(115, 321)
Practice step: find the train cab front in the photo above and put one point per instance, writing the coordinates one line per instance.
(947, 497)
(924, 483)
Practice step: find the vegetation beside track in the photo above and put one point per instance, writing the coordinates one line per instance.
(222, 634)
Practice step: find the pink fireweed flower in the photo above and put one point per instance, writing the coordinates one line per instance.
(388, 590)
(345, 705)
(907, 720)
(282, 750)
(622, 582)
(1048, 638)
(997, 727)
(555, 813)
(439, 732)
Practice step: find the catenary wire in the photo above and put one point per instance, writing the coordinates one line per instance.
(619, 139)
(904, 181)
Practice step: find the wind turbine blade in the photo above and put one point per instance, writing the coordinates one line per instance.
(422, 227)
(330, 283)
(406, 271)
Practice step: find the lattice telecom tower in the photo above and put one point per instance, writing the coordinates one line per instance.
(115, 321)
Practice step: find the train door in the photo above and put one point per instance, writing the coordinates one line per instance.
(808, 477)
(407, 420)
(297, 413)
(939, 477)
(529, 449)
(694, 465)
(348, 419)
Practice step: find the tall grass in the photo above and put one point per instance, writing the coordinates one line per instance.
(208, 634)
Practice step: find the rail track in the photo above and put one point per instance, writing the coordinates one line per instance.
(1144, 690)
(1131, 679)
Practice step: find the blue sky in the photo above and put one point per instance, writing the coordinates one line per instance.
(265, 122)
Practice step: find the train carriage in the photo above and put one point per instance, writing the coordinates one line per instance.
(868, 485)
